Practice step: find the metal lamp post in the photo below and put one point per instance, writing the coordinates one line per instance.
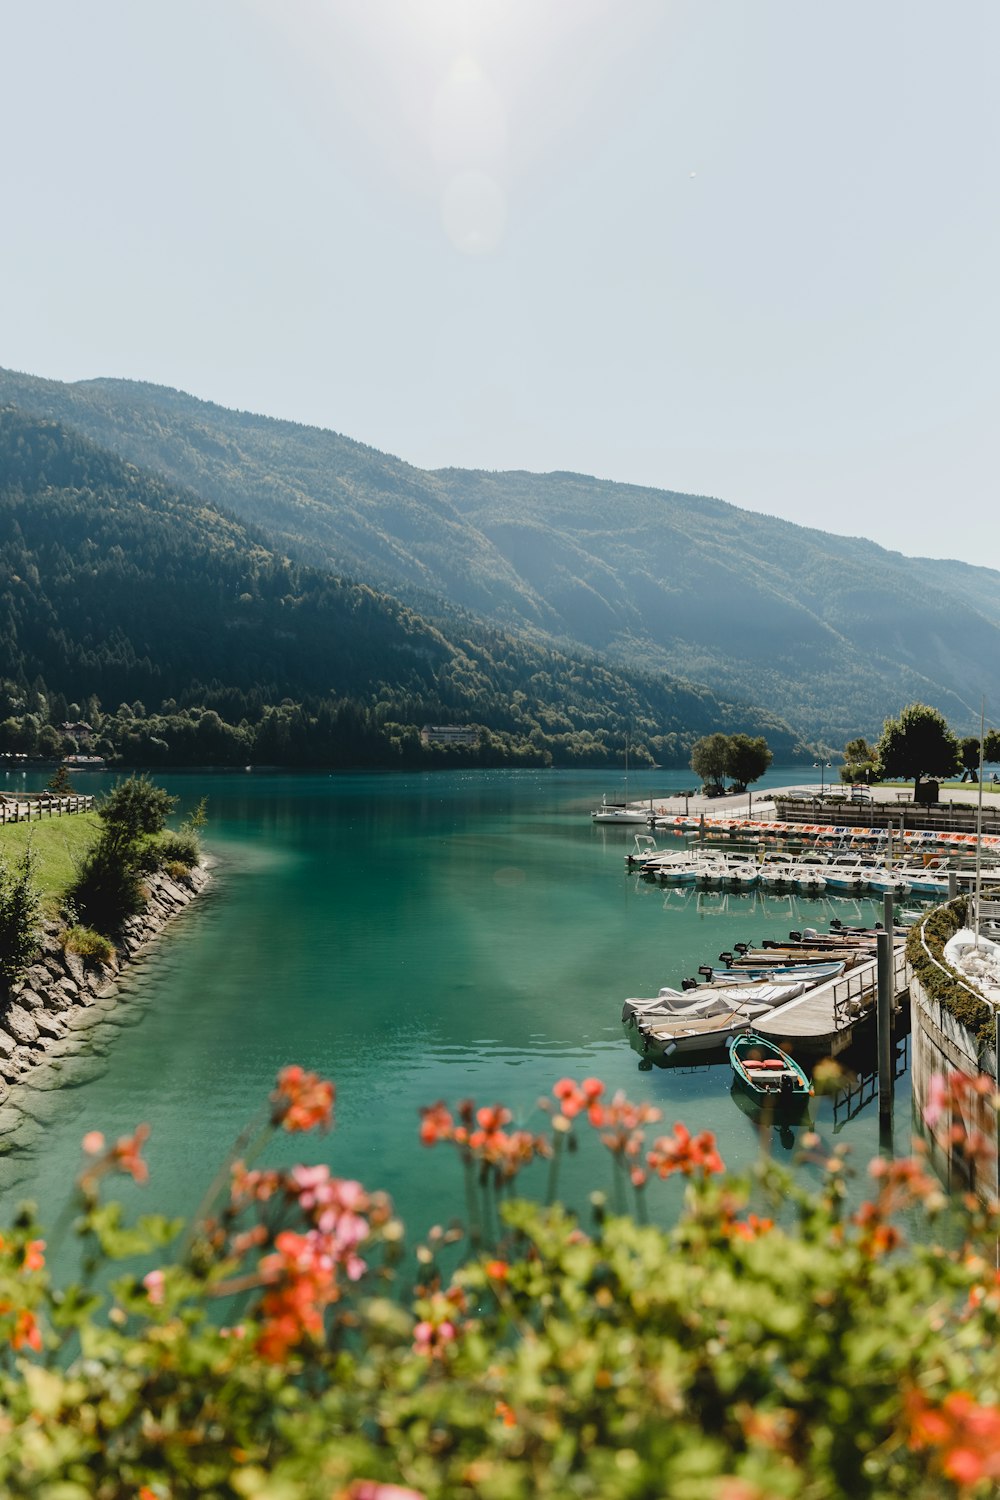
(821, 766)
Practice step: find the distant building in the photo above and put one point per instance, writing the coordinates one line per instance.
(449, 734)
(81, 732)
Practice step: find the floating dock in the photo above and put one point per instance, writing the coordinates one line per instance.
(824, 1020)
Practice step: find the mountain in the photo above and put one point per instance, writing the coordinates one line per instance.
(833, 633)
(118, 584)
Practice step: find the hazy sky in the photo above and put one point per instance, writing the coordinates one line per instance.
(746, 248)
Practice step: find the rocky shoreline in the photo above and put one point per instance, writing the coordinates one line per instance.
(54, 1000)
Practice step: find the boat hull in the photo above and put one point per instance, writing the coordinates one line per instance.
(768, 1075)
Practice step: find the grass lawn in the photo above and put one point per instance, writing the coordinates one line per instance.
(56, 843)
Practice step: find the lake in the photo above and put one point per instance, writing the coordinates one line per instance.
(414, 938)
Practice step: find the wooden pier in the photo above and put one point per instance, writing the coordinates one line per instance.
(825, 1018)
(823, 1022)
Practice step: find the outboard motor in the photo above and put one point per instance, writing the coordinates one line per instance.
(741, 947)
(726, 958)
(705, 970)
(689, 984)
(796, 937)
(836, 924)
(786, 1088)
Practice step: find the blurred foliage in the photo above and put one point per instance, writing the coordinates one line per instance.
(773, 1342)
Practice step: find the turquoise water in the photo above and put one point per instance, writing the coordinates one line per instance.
(414, 938)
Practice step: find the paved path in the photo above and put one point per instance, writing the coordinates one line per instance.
(760, 804)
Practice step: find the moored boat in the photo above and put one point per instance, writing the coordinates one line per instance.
(767, 1073)
(618, 812)
(813, 973)
(708, 1000)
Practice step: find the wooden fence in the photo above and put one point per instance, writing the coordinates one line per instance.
(31, 807)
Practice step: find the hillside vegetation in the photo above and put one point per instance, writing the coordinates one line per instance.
(832, 633)
(118, 587)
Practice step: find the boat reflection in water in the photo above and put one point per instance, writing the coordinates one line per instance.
(768, 1116)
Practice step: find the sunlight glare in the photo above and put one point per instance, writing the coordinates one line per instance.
(455, 98)
(474, 209)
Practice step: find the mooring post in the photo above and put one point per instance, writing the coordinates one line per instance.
(886, 989)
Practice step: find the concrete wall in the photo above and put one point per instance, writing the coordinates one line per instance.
(940, 1044)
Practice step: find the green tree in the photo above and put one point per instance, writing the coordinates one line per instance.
(133, 807)
(60, 783)
(917, 744)
(968, 750)
(49, 743)
(747, 759)
(19, 907)
(859, 761)
(710, 759)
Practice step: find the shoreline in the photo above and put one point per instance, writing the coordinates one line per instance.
(53, 1006)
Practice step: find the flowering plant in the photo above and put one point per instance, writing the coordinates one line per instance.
(772, 1342)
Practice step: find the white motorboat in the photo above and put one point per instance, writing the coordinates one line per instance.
(618, 812)
(710, 872)
(847, 874)
(703, 1001)
(888, 883)
(668, 1034)
(926, 883)
(644, 852)
(742, 872)
(776, 872)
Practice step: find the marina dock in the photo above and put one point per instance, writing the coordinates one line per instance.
(824, 1019)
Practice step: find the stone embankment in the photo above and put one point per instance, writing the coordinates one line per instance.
(51, 999)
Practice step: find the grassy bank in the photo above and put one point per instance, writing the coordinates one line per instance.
(57, 843)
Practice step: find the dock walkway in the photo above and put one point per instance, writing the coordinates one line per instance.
(824, 1018)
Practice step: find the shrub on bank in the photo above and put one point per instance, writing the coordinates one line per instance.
(108, 884)
(91, 946)
(938, 980)
(177, 849)
(107, 887)
(20, 905)
(772, 1343)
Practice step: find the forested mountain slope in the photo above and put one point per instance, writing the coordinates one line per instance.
(831, 632)
(117, 584)
(834, 632)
